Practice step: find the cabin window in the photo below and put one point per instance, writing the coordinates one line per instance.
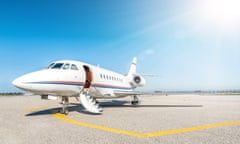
(101, 76)
(66, 66)
(57, 66)
(74, 67)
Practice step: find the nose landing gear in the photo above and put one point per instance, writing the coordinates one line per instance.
(65, 103)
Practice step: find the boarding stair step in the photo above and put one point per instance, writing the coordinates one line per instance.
(89, 103)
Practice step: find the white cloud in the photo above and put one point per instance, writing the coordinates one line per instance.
(149, 52)
(146, 53)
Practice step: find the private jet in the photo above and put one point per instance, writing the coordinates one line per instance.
(85, 82)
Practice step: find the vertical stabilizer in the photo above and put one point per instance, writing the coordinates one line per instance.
(132, 69)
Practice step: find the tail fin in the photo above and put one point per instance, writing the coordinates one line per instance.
(133, 67)
(135, 80)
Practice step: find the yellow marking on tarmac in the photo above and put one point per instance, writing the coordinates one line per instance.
(136, 134)
(66, 119)
(142, 135)
(197, 128)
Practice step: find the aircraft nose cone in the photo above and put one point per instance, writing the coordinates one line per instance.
(17, 82)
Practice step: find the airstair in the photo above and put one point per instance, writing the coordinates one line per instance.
(89, 103)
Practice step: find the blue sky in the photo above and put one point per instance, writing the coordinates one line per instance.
(187, 44)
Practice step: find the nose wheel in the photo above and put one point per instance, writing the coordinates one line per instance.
(65, 103)
(135, 101)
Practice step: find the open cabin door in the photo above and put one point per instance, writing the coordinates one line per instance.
(87, 100)
(88, 78)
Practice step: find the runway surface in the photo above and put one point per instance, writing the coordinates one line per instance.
(173, 119)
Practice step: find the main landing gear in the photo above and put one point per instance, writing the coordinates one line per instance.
(135, 101)
(65, 103)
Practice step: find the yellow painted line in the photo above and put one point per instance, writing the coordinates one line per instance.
(66, 119)
(197, 128)
(142, 135)
(136, 134)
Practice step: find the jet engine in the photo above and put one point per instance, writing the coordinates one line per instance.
(137, 80)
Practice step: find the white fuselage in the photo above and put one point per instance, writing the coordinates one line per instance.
(69, 78)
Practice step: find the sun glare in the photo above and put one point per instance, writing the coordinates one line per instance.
(224, 13)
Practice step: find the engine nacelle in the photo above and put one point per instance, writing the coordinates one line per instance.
(137, 80)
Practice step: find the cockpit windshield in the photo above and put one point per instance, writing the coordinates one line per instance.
(50, 65)
(64, 66)
(57, 66)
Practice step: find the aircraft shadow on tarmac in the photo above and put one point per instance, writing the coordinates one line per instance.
(110, 104)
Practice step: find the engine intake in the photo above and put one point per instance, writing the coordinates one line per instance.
(137, 80)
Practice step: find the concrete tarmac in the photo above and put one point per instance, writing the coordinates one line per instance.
(172, 119)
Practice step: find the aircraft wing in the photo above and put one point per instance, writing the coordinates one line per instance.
(127, 93)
